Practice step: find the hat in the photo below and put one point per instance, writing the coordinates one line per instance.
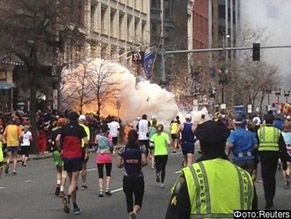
(238, 119)
(82, 118)
(61, 122)
(257, 120)
(153, 117)
(188, 116)
(269, 118)
(211, 131)
(288, 117)
(73, 116)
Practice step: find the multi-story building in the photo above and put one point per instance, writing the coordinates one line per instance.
(173, 35)
(200, 61)
(225, 25)
(116, 27)
(113, 30)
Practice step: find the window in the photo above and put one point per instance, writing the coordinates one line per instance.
(112, 23)
(93, 21)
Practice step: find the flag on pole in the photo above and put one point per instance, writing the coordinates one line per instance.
(148, 64)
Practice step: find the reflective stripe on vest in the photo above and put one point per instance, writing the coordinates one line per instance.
(201, 198)
(269, 138)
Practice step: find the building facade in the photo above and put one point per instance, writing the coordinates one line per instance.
(116, 27)
(169, 31)
(200, 61)
(225, 25)
(113, 29)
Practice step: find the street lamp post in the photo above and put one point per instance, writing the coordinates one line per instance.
(286, 95)
(137, 55)
(224, 80)
(278, 93)
(269, 91)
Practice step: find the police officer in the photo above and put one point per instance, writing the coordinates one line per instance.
(213, 186)
(271, 148)
(242, 144)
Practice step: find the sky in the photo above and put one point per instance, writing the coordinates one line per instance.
(276, 17)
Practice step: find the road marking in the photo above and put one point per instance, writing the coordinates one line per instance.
(2, 187)
(177, 172)
(117, 190)
(28, 181)
(89, 170)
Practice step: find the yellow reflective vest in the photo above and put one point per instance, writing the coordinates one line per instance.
(87, 130)
(217, 187)
(268, 138)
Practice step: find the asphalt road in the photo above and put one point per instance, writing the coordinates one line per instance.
(30, 193)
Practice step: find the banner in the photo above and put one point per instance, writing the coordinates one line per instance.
(148, 64)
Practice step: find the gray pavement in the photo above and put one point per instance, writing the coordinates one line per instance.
(30, 194)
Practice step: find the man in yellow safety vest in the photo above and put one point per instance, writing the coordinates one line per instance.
(213, 187)
(271, 148)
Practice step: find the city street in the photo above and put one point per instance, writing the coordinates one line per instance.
(30, 194)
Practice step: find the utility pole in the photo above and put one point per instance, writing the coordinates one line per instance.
(162, 45)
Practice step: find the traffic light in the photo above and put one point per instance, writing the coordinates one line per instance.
(256, 52)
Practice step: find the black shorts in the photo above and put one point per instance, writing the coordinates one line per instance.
(25, 150)
(114, 140)
(187, 147)
(73, 165)
(144, 142)
(174, 136)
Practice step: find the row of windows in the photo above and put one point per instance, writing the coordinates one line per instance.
(115, 23)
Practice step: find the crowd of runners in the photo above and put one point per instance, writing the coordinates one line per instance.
(69, 137)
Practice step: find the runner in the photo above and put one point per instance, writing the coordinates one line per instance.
(132, 157)
(187, 130)
(71, 136)
(82, 122)
(161, 141)
(25, 144)
(1, 154)
(104, 158)
(12, 135)
(61, 174)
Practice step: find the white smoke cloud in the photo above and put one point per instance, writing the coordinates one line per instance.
(276, 17)
(135, 100)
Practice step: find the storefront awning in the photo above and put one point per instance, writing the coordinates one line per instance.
(6, 86)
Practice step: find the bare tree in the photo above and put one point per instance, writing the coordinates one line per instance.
(250, 79)
(34, 32)
(105, 83)
(77, 86)
(93, 81)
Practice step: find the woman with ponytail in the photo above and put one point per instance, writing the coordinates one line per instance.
(160, 141)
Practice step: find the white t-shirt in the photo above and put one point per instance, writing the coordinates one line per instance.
(113, 128)
(143, 129)
(25, 138)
